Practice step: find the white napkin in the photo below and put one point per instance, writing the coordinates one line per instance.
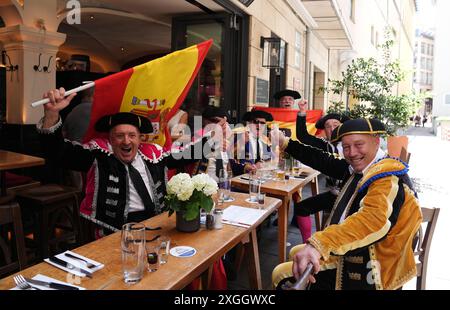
(48, 279)
(76, 263)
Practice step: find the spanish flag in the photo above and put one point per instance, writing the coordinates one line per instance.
(286, 119)
(155, 90)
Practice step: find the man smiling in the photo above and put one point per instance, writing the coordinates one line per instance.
(367, 239)
(126, 179)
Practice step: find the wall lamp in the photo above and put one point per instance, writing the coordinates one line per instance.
(273, 52)
(9, 66)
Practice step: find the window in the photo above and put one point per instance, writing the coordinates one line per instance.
(431, 49)
(422, 48)
(297, 54)
(422, 63)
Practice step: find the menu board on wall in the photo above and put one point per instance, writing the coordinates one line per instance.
(262, 91)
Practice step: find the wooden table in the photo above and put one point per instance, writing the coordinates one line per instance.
(11, 160)
(283, 190)
(177, 273)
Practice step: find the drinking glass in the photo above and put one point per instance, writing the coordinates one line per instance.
(253, 188)
(152, 256)
(224, 186)
(133, 251)
(261, 200)
(164, 248)
(281, 171)
(296, 166)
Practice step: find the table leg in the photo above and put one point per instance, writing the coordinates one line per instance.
(314, 191)
(254, 268)
(282, 228)
(2, 184)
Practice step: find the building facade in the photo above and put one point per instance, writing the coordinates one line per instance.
(314, 42)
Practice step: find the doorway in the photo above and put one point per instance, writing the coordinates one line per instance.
(318, 95)
(221, 80)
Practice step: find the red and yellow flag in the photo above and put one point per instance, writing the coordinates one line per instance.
(155, 90)
(286, 118)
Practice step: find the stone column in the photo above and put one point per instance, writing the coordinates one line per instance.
(23, 45)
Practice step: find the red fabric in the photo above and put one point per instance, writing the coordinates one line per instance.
(218, 279)
(290, 115)
(12, 179)
(108, 96)
(304, 224)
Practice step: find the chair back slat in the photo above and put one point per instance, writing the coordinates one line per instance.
(422, 250)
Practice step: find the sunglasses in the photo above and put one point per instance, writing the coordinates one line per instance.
(258, 122)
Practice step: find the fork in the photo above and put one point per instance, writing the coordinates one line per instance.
(23, 284)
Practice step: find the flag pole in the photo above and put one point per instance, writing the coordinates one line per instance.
(67, 93)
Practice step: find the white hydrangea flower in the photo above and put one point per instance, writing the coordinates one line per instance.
(181, 185)
(206, 184)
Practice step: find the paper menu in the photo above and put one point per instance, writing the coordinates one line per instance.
(241, 216)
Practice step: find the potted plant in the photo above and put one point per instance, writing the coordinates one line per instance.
(371, 82)
(186, 196)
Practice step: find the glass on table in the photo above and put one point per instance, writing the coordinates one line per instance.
(253, 187)
(224, 186)
(164, 248)
(281, 169)
(261, 200)
(296, 167)
(133, 251)
(152, 253)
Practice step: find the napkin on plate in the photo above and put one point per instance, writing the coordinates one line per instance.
(76, 263)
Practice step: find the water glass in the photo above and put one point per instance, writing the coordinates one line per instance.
(152, 254)
(261, 200)
(164, 248)
(253, 187)
(133, 251)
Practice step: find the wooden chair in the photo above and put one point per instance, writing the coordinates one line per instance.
(422, 249)
(405, 155)
(52, 207)
(11, 239)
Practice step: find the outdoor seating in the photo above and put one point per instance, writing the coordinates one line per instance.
(422, 249)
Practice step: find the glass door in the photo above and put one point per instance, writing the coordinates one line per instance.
(219, 81)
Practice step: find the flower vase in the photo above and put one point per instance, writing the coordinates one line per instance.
(184, 225)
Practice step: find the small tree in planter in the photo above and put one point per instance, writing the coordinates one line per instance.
(371, 82)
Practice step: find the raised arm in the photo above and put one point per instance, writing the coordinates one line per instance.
(303, 135)
(56, 104)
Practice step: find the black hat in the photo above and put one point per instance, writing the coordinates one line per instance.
(211, 112)
(340, 117)
(358, 126)
(107, 122)
(287, 92)
(254, 114)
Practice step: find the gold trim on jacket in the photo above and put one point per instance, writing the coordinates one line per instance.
(390, 246)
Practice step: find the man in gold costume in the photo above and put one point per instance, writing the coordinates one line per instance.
(367, 239)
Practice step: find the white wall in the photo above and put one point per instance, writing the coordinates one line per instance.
(441, 70)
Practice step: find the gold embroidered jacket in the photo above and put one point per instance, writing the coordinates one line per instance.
(372, 247)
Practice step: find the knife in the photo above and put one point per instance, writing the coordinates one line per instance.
(54, 285)
(60, 262)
